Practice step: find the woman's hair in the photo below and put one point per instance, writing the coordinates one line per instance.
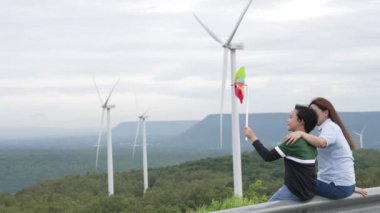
(324, 105)
(308, 116)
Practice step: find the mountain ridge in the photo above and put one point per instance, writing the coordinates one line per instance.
(203, 134)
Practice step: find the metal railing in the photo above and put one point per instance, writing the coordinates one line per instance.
(354, 203)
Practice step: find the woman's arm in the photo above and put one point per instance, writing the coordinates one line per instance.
(311, 139)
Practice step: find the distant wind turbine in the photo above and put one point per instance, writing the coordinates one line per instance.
(105, 106)
(142, 121)
(231, 47)
(361, 135)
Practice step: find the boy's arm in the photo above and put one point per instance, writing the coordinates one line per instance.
(264, 152)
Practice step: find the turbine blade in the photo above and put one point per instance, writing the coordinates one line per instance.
(97, 90)
(208, 30)
(146, 111)
(363, 129)
(224, 77)
(136, 103)
(357, 133)
(109, 95)
(99, 138)
(136, 136)
(238, 23)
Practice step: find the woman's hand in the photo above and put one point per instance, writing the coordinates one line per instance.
(249, 134)
(292, 137)
(361, 191)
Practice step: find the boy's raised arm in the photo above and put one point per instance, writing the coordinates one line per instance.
(260, 148)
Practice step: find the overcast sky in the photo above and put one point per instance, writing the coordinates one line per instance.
(294, 50)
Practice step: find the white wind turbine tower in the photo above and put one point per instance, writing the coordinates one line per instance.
(361, 135)
(231, 47)
(142, 121)
(105, 106)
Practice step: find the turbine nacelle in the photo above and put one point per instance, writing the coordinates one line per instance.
(108, 106)
(234, 46)
(143, 117)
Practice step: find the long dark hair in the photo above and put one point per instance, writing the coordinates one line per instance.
(324, 105)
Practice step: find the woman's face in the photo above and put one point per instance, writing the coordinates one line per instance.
(293, 123)
(322, 115)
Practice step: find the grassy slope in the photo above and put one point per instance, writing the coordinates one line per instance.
(183, 187)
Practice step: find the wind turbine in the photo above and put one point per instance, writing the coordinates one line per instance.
(105, 106)
(231, 48)
(142, 121)
(361, 134)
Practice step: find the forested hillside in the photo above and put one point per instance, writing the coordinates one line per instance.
(23, 168)
(181, 188)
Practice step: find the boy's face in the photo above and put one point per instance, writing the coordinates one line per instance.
(293, 123)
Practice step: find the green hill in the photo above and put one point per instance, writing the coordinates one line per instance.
(181, 188)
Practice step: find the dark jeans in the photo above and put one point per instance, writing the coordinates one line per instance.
(334, 192)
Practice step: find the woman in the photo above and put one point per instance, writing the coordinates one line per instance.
(336, 175)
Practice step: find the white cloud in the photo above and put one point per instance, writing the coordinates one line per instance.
(294, 51)
(299, 10)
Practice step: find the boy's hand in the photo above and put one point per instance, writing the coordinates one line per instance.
(249, 134)
(292, 137)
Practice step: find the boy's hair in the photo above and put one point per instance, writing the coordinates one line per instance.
(308, 116)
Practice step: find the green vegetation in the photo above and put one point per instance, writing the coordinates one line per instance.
(201, 186)
(367, 167)
(23, 168)
(250, 198)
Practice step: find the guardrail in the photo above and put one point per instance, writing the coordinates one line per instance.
(354, 203)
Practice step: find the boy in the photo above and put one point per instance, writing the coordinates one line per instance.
(299, 158)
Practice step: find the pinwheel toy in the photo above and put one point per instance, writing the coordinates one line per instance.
(239, 84)
(241, 90)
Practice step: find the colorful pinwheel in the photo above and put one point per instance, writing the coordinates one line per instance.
(239, 84)
(241, 89)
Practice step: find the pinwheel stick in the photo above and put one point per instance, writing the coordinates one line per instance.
(246, 107)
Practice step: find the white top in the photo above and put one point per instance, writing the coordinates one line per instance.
(335, 161)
